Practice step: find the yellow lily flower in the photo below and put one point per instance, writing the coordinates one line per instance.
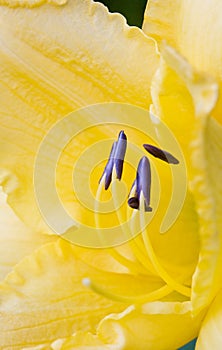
(58, 56)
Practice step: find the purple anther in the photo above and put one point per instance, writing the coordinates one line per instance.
(161, 154)
(120, 154)
(116, 159)
(133, 200)
(141, 185)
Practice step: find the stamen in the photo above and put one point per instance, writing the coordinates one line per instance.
(139, 198)
(133, 200)
(144, 181)
(161, 154)
(143, 259)
(98, 199)
(107, 173)
(127, 231)
(141, 185)
(120, 154)
(130, 265)
(144, 298)
(158, 294)
(137, 247)
(157, 265)
(116, 159)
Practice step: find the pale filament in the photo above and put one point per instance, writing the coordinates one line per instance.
(142, 260)
(142, 298)
(157, 265)
(137, 246)
(147, 297)
(112, 251)
(146, 259)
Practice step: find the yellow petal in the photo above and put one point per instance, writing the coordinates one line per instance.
(44, 299)
(156, 325)
(114, 259)
(210, 336)
(182, 24)
(16, 241)
(178, 248)
(83, 340)
(184, 99)
(55, 59)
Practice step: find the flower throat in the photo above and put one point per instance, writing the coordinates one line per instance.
(139, 201)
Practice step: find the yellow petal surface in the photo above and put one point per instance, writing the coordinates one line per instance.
(55, 59)
(182, 24)
(184, 99)
(113, 259)
(178, 248)
(83, 340)
(16, 241)
(160, 326)
(210, 336)
(44, 299)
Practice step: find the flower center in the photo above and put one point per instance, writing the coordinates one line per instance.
(141, 246)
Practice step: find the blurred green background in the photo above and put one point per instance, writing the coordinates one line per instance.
(133, 11)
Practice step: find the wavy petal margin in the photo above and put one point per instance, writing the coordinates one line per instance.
(194, 28)
(56, 59)
(210, 336)
(157, 325)
(184, 99)
(44, 297)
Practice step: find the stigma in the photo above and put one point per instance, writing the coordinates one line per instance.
(161, 154)
(141, 186)
(115, 161)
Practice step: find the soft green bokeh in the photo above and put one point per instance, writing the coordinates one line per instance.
(133, 10)
(189, 346)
